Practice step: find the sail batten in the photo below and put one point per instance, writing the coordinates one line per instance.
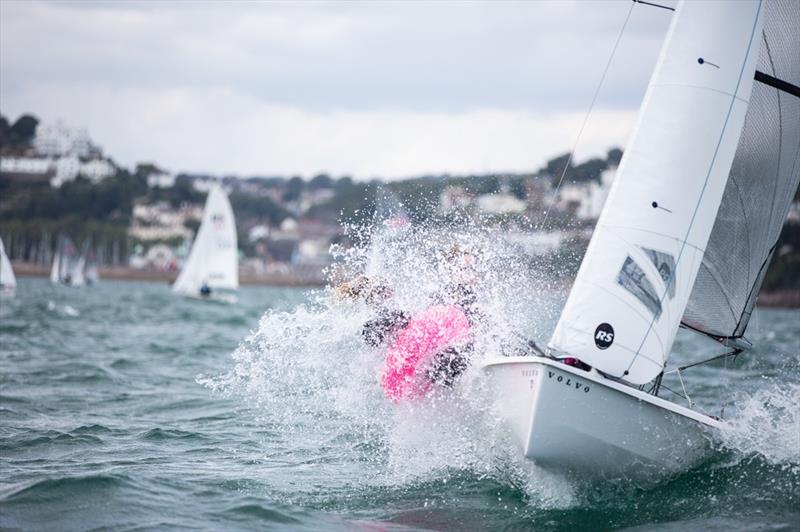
(650, 239)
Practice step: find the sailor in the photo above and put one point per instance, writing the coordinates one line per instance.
(377, 331)
(447, 365)
(205, 290)
(459, 289)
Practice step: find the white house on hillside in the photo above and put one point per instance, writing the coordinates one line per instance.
(54, 140)
(589, 197)
(161, 179)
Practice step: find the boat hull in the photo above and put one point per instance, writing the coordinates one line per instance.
(566, 418)
(227, 298)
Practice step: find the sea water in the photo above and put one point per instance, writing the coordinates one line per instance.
(125, 407)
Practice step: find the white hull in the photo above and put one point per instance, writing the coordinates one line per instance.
(227, 298)
(566, 418)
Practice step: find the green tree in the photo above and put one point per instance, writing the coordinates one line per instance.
(4, 131)
(23, 130)
(320, 181)
(293, 189)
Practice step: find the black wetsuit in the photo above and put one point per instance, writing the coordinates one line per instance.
(379, 330)
(451, 362)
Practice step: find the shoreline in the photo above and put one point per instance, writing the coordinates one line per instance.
(24, 269)
(779, 299)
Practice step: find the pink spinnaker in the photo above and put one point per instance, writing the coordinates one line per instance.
(410, 353)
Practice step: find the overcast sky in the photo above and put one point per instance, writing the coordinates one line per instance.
(390, 89)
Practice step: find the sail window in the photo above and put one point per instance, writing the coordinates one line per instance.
(633, 279)
(665, 264)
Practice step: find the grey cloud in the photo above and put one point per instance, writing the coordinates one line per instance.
(413, 56)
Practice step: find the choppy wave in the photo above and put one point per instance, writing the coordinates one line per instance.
(767, 423)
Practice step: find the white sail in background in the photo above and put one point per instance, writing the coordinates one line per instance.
(634, 283)
(91, 273)
(7, 279)
(55, 270)
(213, 260)
(76, 276)
(67, 264)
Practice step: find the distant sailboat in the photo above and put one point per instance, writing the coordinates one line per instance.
(90, 270)
(7, 280)
(684, 239)
(68, 265)
(212, 269)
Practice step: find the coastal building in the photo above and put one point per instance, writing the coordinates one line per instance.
(161, 257)
(97, 169)
(69, 167)
(153, 222)
(160, 179)
(454, 198)
(501, 202)
(258, 233)
(55, 140)
(586, 199)
(205, 184)
(58, 170)
(26, 165)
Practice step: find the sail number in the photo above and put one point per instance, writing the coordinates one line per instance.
(532, 374)
(568, 381)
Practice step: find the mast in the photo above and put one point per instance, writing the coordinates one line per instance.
(625, 307)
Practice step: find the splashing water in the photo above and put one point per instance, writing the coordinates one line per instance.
(767, 423)
(315, 379)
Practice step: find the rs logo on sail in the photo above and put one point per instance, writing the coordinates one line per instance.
(604, 336)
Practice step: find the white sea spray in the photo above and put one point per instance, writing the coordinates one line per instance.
(766, 423)
(313, 378)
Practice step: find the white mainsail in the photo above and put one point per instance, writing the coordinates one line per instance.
(634, 283)
(213, 260)
(7, 279)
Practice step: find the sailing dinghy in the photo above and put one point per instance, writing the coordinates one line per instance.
(685, 238)
(68, 265)
(212, 270)
(8, 282)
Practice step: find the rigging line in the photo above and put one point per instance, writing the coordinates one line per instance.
(588, 114)
(724, 355)
(685, 393)
(705, 183)
(679, 394)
